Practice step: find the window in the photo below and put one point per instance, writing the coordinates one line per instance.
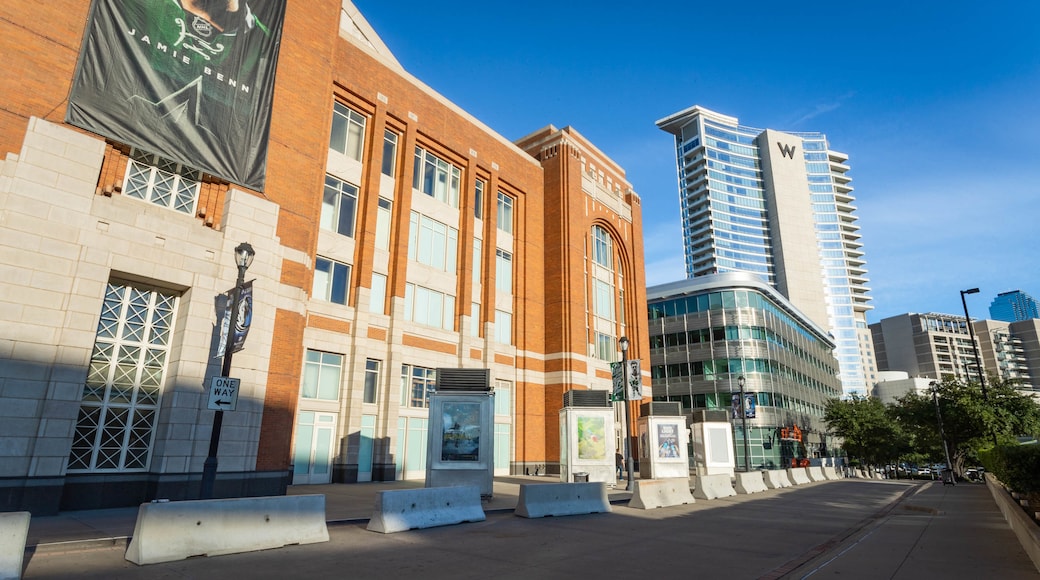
(503, 271)
(503, 327)
(416, 384)
(478, 250)
(436, 178)
(371, 380)
(605, 349)
(348, 132)
(602, 248)
(124, 382)
(162, 182)
(432, 243)
(383, 224)
(331, 281)
(321, 375)
(429, 307)
(603, 299)
(339, 206)
(389, 152)
(474, 319)
(377, 300)
(505, 213)
(478, 200)
(503, 397)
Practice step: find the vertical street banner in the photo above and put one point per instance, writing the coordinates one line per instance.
(190, 80)
(242, 321)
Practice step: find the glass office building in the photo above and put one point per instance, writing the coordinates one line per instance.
(1014, 306)
(779, 206)
(707, 332)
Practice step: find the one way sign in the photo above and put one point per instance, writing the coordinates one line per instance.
(223, 393)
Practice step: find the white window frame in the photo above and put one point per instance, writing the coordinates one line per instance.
(326, 274)
(505, 213)
(162, 182)
(352, 143)
(339, 197)
(322, 371)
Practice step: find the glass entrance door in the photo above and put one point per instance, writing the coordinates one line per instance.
(312, 453)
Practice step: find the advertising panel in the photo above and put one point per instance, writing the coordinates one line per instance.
(461, 441)
(668, 441)
(190, 80)
(592, 440)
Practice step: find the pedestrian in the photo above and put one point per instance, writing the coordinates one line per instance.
(619, 462)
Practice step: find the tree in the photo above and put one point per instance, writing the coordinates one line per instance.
(971, 421)
(868, 428)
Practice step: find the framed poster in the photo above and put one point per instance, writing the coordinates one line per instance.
(461, 438)
(668, 442)
(592, 441)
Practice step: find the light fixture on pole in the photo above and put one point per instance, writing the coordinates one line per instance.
(934, 388)
(974, 347)
(623, 343)
(743, 423)
(243, 259)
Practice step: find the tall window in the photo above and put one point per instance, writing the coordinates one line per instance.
(602, 248)
(474, 319)
(432, 243)
(478, 200)
(371, 380)
(436, 178)
(383, 223)
(503, 397)
(505, 213)
(348, 132)
(603, 299)
(429, 307)
(322, 373)
(478, 250)
(331, 281)
(416, 384)
(339, 206)
(503, 271)
(389, 152)
(162, 182)
(503, 327)
(125, 378)
(377, 301)
(605, 347)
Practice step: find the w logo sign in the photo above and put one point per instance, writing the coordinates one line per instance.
(786, 150)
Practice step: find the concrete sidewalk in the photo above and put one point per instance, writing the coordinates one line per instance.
(854, 529)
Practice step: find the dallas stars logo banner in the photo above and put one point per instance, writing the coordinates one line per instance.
(190, 80)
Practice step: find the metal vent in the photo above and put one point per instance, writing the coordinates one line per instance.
(661, 408)
(468, 380)
(586, 399)
(712, 416)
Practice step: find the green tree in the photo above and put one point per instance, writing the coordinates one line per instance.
(869, 430)
(971, 422)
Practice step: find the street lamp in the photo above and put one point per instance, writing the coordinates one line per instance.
(243, 259)
(623, 343)
(743, 423)
(934, 388)
(974, 347)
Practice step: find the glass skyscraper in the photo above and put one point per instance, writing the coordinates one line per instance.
(778, 205)
(1014, 306)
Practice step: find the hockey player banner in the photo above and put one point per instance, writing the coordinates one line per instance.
(189, 80)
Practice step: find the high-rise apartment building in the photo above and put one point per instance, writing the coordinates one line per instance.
(778, 205)
(1014, 306)
(394, 235)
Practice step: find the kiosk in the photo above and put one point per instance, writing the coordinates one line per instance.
(461, 437)
(712, 443)
(663, 441)
(587, 437)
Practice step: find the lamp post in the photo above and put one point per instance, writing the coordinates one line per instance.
(974, 347)
(623, 343)
(243, 259)
(934, 388)
(743, 423)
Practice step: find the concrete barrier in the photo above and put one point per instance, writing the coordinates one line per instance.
(831, 474)
(798, 475)
(171, 531)
(750, 482)
(14, 528)
(427, 507)
(538, 500)
(655, 493)
(713, 486)
(815, 473)
(1025, 530)
(776, 479)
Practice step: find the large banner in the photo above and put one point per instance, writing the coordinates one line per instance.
(190, 80)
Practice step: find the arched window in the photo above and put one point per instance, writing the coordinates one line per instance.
(602, 248)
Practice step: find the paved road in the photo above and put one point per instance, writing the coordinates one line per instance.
(848, 529)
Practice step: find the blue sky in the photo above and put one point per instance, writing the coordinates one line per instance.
(936, 103)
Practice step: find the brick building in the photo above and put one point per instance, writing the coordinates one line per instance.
(394, 234)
